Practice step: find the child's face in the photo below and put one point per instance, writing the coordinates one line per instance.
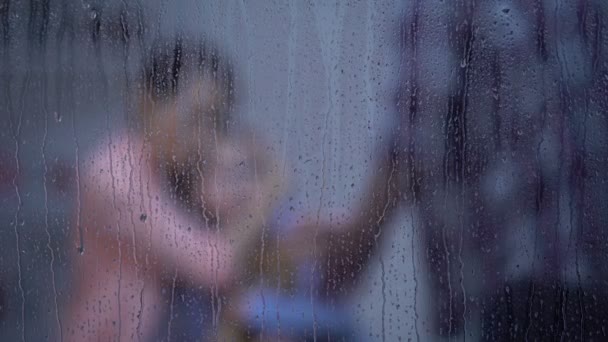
(185, 129)
(186, 135)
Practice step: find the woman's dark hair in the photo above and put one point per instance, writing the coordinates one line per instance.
(172, 62)
(172, 66)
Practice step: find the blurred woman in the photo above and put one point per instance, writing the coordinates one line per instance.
(171, 201)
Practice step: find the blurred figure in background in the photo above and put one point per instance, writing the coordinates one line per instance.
(171, 202)
(500, 146)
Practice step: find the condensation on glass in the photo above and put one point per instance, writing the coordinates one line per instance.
(380, 170)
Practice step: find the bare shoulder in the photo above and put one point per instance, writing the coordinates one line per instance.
(118, 165)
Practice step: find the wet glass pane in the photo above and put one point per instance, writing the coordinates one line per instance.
(423, 170)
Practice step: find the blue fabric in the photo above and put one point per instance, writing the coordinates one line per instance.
(295, 316)
(190, 318)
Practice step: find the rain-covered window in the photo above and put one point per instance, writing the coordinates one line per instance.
(420, 170)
